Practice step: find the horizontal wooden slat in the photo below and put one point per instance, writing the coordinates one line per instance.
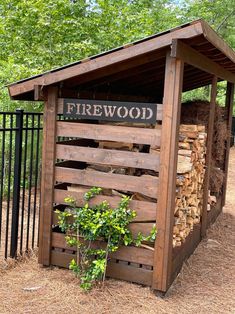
(114, 270)
(146, 211)
(145, 185)
(143, 227)
(126, 253)
(61, 259)
(135, 227)
(158, 117)
(110, 133)
(108, 157)
(128, 273)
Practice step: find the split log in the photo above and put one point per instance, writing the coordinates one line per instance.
(189, 181)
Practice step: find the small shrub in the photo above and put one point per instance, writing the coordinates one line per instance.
(97, 231)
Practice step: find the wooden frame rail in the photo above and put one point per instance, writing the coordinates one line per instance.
(191, 56)
(167, 174)
(210, 130)
(47, 180)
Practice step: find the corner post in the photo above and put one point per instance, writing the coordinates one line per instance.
(167, 173)
(229, 111)
(210, 130)
(47, 178)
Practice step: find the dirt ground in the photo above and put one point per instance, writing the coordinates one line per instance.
(205, 284)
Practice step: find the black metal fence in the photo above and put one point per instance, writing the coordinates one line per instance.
(20, 156)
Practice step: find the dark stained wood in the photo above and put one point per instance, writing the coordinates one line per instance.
(143, 227)
(38, 93)
(182, 253)
(146, 211)
(89, 94)
(138, 66)
(112, 59)
(108, 156)
(191, 56)
(126, 253)
(167, 173)
(129, 273)
(216, 41)
(215, 211)
(229, 109)
(135, 227)
(145, 185)
(114, 270)
(158, 117)
(110, 133)
(61, 259)
(47, 180)
(210, 131)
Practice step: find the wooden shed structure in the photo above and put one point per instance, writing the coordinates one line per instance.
(150, 73)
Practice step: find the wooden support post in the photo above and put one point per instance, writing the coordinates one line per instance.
(167, 173)
(47, 180)
(229, 109)
(210, 131)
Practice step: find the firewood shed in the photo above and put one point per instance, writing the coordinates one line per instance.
(113, 121)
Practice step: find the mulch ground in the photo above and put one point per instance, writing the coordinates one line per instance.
(205, 284)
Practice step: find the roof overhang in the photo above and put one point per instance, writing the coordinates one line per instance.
(148, 56)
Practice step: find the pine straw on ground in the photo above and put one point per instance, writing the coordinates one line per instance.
(205, 284)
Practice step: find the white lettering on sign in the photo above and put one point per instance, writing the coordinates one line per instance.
(110, 110)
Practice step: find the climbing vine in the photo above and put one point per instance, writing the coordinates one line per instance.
(97, 231)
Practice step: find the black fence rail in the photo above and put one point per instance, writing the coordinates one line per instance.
(20, 156)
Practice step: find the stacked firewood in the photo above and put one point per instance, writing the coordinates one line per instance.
(189, 183)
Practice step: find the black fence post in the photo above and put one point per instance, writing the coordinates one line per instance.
(16, 184)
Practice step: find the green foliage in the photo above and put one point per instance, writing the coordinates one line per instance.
(37, 35)
(94, 223)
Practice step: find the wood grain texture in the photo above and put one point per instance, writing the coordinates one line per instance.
(114, 270)
(146, 211)
(167, 173)
(126, 253)
(217, 41)
(182, 253)
(210, 132)
(215, 211)
(191, 56)
(229, 110)
(145, 185)
(47, 180)
(110, 133)
(135, 227)
(128, 273)
(108, 157)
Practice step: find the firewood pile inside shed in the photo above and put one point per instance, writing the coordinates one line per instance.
(189, 180)
(197, 112)
(190, 167)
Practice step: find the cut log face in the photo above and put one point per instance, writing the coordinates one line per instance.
(189, 181)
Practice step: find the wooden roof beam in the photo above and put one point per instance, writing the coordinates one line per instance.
(217, 41)
(189, 55)
(113, 58)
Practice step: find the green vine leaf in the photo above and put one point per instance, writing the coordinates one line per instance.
(97, 231)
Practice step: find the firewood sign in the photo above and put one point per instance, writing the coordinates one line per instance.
(110, 110)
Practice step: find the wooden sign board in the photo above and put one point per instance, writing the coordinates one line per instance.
(110, 110)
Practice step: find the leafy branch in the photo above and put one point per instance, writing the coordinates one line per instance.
(97, 231)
